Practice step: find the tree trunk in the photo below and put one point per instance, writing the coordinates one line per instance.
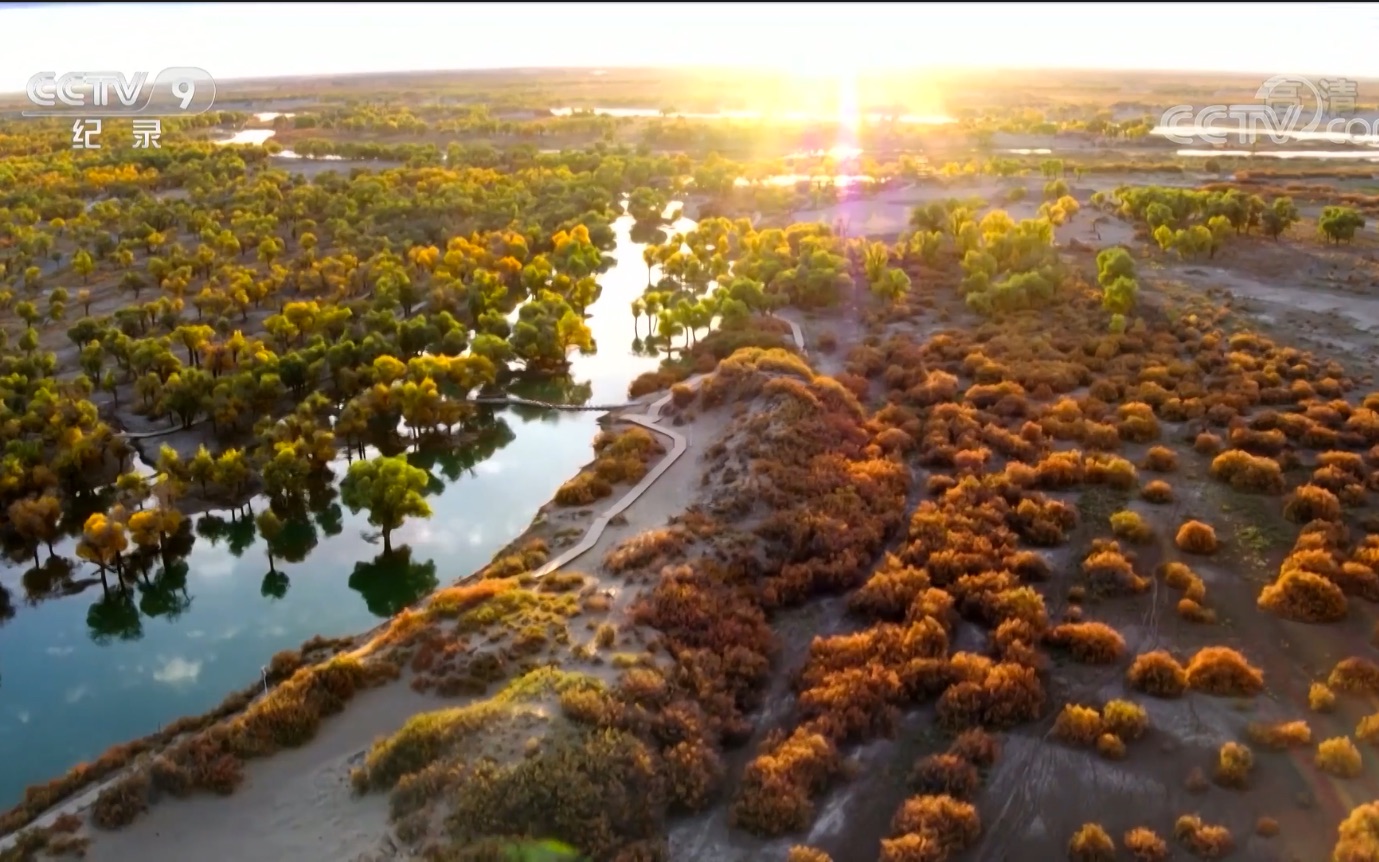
(387, 542)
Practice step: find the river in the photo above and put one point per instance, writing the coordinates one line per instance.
(78, 675)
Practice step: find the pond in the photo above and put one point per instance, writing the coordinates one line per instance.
(79, 673)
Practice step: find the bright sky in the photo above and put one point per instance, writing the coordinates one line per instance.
(232, 40)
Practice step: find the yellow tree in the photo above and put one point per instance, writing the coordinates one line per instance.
(103, 541)
(390, 490)
(36, 520)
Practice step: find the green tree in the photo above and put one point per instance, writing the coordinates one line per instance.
(390, 490)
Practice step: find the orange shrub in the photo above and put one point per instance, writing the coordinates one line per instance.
(1320, 698)
(1079, 725)
(1090, 843)
(1233, 765)
(1207, 443)
(1339, 757)
(1248, 473)
(945, 774)
(1223, 672)
(778, 787)
(1280, 736)
(1157, 491)
(1124, 719)
(1161, 459)
(1089, 643)
(1157, 673)
(1311, 503)
(1145, 845)
(951, 823)
(1355, 676)
(1304, 597)
(1357, 838)
(1110, 746)
(1195, 537)
(800, 853)
(1131, 526)
(977, 747)
(1206, 841)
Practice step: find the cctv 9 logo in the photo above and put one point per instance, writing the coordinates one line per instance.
(175, 92)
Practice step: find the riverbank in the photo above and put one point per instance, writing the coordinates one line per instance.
(301, 798)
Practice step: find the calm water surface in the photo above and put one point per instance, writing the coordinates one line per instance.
(78, 674)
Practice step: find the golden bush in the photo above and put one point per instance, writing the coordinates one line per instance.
(1223, 672)
(1090, 843)
(1158, 491)
(1110, 746)
(1266, 827)
(1203, 840)
(1368, 729)
(1355, 675)
(1320, 697)
(1248, 473)
(1311, 503)
(1145, 845)
(1357, 838)
(946, 775)
(1080, 725)
(1124, 719)
(1339, 757)
(1195, 537)
(951, 823)
(1233, 765)
(1131, 526)
(1304, 597)
(800, 853)
(1157, 673)
(977, 747)
(1161, 459)
(1279, 736)
(1089, 643)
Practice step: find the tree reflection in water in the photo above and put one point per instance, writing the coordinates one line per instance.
(114, 617)
(391, 582)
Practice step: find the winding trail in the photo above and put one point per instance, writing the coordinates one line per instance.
(679, 444)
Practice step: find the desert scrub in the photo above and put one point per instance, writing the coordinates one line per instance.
(1266, 827)
(1109, 571)
(1131, 526)
(1089, 643)
(1303, 596)
(1161, 459)
(1079, 725)
(1357, 838)
(1145, 845)
(1368, 729)
(646, 549)
(1234, 763)
(1090, 843)
(516, 609)
(1279, 736)
(1311, 503)
(1248, 473)
(119, 804)
(1195, 537)
(1180, 576)
(1158, 674)
(1157, 491)
(1110, 746)
(1223, 672)
(944, 775)
(1339, 757)
(1203, 840)
(1320, 698)
(800, 853)
(453, 601)
(518, 559)
(977, 747)
(1354, 675)
(952, 825)
(1124, 719)
(1195, 613)
(619, 457)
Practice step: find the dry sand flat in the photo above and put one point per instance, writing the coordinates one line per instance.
(298, 805)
